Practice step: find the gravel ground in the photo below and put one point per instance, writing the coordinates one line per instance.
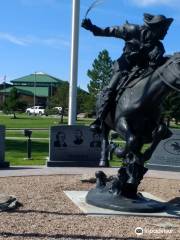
(48, 214)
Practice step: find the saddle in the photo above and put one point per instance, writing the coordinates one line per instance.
(130, 80)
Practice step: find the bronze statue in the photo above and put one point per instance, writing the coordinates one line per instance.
(142, 49)
(135, 113)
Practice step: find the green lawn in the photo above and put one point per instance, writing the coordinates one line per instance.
(35, 133)
(16, 152)
(24, 121)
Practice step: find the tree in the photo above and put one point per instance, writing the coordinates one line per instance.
(82, 97)
(172, 107)
(60, 98)
(100, 76)
(12, 103)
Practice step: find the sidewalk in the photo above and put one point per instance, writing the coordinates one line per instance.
(17, 171)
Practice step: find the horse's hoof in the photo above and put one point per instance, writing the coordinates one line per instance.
(101, 179)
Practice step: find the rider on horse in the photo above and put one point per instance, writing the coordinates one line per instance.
(143, 49)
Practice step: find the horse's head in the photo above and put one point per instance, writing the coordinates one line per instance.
(177, 70)
(170, 72)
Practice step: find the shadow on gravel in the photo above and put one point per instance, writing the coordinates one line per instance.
(172, 209)
(59, 236)
(21, 168)
(46, 212)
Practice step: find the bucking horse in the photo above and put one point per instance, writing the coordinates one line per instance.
(136, 117)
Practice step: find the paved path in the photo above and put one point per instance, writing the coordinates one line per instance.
(42, 170)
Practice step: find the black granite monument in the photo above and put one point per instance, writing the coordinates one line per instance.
(167, 154)
(3, 163)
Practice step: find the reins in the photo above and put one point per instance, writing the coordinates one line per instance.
(173, 73)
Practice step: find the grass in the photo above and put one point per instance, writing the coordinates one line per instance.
(35, 133)
(16, 152)
(23, 121)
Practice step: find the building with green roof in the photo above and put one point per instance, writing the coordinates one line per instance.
(35, 88)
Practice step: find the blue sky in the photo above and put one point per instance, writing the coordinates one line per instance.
(35, 35)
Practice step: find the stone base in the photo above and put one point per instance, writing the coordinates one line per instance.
(105, 199)
(78, 198)
(72, 164)
(4, 164)
(160, 167)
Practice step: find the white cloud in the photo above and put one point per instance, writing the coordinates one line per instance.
(54, 42)
(145, 3)
(13, 39)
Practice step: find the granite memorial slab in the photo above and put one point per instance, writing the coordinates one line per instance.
(3, 163)
(74, 146)
(167, 154)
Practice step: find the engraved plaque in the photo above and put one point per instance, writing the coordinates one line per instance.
(74, 146)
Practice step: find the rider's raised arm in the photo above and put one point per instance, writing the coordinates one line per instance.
(115, 31)
(126, 31)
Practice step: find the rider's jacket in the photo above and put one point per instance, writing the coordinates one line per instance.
(141, 48)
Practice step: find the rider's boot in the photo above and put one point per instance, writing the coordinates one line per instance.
(106, 98)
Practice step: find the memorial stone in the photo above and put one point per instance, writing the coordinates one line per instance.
(74, 146)
(3, 164)
(167, 154)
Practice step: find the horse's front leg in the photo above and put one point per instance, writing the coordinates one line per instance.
(104, 147)
(130, 175)
(160, 133)
(133, 144)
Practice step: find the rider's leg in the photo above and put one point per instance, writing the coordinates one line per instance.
(106, 99)
(104, 147)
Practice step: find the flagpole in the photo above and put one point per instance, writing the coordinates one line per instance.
(74, 63)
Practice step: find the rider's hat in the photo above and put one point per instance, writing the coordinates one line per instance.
(153, 20)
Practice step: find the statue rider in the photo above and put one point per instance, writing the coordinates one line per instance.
(143, 49)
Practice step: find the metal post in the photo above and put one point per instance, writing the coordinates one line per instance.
(27, 133)
(29, 148)
(74, 63)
